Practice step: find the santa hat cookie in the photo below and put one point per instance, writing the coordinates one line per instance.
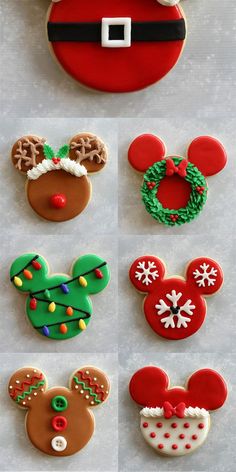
(174, 188)
(175, 307)
(59, 421)
(58, 306)
(107, 35)
(58, 188)
(176, 420)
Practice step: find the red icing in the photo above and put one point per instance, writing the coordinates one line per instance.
(58, 201)
(33, 304)
(160, 287)
(152, 435)
(188, 446)
(170, 411)
(98, 274)
(145, 150)
(167, 435)
(181, 436)
(59, 423)
(201, 425)
(21, 387)
(174, 425)
(109, 69)
(159, 425)
(207, 154)
(194, 437)
(205, 388)
(36, 265)
(186, 425)
(56, 160)
(180, 169)
(145, 425)
(174, 192)
(160, 446)
(174, 446)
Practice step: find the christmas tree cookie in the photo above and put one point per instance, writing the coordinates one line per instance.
(58, 306)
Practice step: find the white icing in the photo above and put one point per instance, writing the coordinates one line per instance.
(116, 43)
(48, 165)
(166, 3)
(59, 443)
(147, 273)
(205, 275)
(169, 321)
(193, 429)
(189, 412)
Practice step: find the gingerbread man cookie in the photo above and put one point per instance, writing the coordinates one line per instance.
(174, 188)
(175, 306)
(58, 188)
(176, 420)
(116, 40)
(58, 306)
(59, 421)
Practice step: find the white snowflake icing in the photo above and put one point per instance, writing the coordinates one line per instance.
(147, 272)
(205, 276)
(175, 311)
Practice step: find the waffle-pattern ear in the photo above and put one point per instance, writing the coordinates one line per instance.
(146, 273)
(27, 271)
(147, 385)
(91, 384)
(145, 150)
(27, 152)
(205, 275)
(207, 154)
(92, 272)
(89, 150)
(207, 389)
(26, 385)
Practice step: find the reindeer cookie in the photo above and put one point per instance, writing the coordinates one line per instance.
(58, 188)
(174, 188)
(176, 420)
(116, 40)
(175, 306)
(59, 420)
(58, 306)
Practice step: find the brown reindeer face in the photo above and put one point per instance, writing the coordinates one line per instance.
(58, 188)
(59, 421)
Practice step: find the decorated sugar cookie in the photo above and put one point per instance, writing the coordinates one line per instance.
(58, 187)
(175, 307)
(174, 189)
(59, 421)
(58, 306)
(176, 420)
(118, 46)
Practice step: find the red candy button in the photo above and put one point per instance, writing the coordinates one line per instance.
(59, 423)
(58, 200)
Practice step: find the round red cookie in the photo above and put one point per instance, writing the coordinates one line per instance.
(116, 69)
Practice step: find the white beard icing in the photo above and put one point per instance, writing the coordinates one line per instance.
(48, 165)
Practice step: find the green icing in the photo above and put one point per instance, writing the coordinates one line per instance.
(87, 388)
(77, 298)
(31, 388)
(196, 201)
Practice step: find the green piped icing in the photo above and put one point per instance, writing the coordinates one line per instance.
(31, 388)
(87, 388)
(196, 201)
(77, 298)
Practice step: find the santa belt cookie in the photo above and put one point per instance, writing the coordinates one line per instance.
(117, 32)
(176, 421)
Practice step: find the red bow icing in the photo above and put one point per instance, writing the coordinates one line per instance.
(170, 410)
(172, 169)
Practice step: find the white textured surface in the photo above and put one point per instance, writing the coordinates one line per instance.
(17, 452)
(202, 81)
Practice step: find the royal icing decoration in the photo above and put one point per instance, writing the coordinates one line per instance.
(116, 40)
(176, 420)
(58, 306)
(58, 187)
(175, 307)
(174, 188)
(59, 421)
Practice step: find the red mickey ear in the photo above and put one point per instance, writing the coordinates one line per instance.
(207, 389)
(205, 275)
(146, 273)
(147, 385)
(207, 154)
(145, 150)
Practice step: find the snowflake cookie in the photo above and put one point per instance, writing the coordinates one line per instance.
(174, 188)
(174, 306)
(175, 421)
(59, 421)
(111, 45)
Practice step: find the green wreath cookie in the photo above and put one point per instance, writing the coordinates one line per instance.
(174, 189)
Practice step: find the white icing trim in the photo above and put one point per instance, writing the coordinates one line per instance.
(168, 3)
(48, 165)
(189, 412)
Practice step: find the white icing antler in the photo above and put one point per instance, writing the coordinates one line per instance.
(83, 149)
(168, 3)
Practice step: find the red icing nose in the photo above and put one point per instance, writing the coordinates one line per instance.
(58, 200)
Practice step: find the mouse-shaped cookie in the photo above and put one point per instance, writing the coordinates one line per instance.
(57, 186)
(58, 305)
(116, 46)
(175, 420)
(174, 188)
(59, 421)
(175, 307)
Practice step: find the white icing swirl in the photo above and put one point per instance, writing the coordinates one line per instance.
(189, 412)
(47, 165)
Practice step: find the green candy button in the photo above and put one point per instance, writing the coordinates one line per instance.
(59, 403)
